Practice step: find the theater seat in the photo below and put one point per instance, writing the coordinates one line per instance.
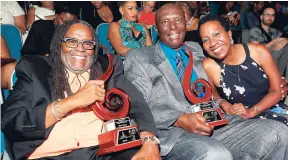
(102, 33)
(154, 34)
(13, 38)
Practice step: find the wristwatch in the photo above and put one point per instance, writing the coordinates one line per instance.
(151, 138)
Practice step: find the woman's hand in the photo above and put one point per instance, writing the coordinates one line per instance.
(281, 42)
(284, 87)
(240, 110)
(148, 151)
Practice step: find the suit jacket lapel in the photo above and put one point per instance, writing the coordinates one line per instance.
(197, 59)
(164, 65)
(49, 79)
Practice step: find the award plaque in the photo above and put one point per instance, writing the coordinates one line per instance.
(200, 94)
(119, 133)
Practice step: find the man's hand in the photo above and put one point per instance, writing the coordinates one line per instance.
(284, 88)
(194, 123)
(255, 42)
(148, 151)
(92, 91)
(281, 43)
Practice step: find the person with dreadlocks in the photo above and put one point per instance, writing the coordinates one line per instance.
(47, 115)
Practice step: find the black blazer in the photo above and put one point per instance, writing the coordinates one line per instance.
(39, 38)
(23, 113)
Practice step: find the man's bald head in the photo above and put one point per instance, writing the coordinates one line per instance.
(166, 9)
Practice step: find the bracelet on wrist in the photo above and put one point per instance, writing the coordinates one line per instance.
(58, 110)
(217, 103)
(153, 139)
(53, 112)
(256, 109)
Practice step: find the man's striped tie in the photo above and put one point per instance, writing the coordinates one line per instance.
(180, 67)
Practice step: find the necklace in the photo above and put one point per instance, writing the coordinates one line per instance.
(239, 79)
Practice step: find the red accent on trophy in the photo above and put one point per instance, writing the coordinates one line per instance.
(119, 133)
(200, 96)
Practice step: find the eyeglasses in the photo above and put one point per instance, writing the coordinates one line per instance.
(73, 43)
(266, 15)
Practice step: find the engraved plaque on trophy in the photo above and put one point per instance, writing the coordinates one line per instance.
(119, 131)
(127, 135)
(200, 94)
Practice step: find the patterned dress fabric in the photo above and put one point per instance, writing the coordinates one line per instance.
(247, 83)
(128, 37)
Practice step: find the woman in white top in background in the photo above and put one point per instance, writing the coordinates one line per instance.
(12, 13)
(45, 12)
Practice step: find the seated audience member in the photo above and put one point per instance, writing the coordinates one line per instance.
(41, 32)
(67, 79)
(147, 14)
(252, 18)
(272, 39)
(101, 12)
(126, 33)
(193, 5)
(244, 75)
(185, 135)
(7, 69)
(203, 9)
(12, 13)
(192, 20)
(280, 19)
(228, 12)
(190, 16)
(45, 12)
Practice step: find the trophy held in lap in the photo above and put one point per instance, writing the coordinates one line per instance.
(200, 94)
(118, 134)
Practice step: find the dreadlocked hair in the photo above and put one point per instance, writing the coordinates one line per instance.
(59, 73)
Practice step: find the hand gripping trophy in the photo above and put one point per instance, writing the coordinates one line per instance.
(118, 134)
(200, 96)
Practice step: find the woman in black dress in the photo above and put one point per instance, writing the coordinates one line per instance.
(98, 12)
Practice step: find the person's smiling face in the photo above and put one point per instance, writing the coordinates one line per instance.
(78, 59)
(216, 40)
(171, 25)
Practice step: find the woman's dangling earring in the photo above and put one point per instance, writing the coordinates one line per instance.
(232, 41)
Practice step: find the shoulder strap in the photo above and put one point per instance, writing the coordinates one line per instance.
(269, 39)
(247, 51)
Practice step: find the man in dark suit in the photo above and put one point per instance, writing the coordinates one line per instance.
(185, 134)
(47, 115)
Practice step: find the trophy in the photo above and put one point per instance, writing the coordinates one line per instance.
(200, 96)
(119, 132)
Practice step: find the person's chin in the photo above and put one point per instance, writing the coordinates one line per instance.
(175, 44)
(77, 70)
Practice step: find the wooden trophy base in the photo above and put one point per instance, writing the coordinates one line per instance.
(214, 117)
(118, 139)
